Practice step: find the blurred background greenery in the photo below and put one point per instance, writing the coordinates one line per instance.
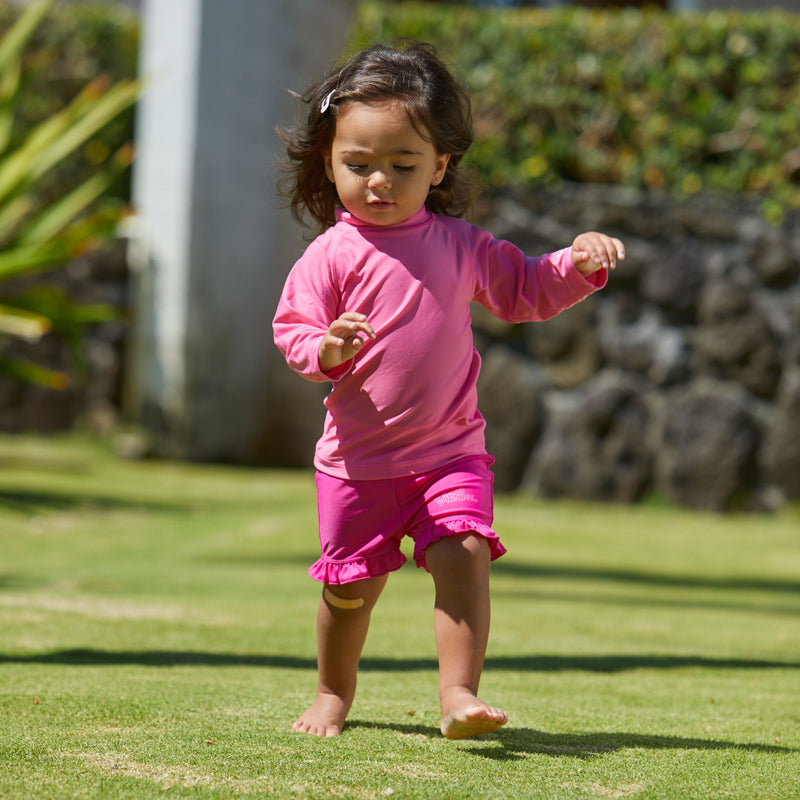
(648, 98)
(67, 91)
(684, 103)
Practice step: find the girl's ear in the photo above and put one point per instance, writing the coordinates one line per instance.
(328, 166)
(439, 169)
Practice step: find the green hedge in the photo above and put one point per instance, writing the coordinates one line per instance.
(686, 103)
(74, 45)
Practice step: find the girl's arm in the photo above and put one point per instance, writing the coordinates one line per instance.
(305, 322)
(520, 288)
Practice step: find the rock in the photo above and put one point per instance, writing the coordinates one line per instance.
(510, 392)
(643, 343)
(534, 233)
(781, 449)
(567, 345)
(674, 281)
(709, 220)
(734, 340)
(708, 452)
(774, 259)
(627, 273)
(596, 446)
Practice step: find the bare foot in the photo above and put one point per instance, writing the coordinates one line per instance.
(464, 716)
(324, 717)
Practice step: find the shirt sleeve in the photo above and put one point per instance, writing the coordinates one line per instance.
(308, 305)
(520, 288)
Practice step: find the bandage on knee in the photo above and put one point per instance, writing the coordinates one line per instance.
(340, 602)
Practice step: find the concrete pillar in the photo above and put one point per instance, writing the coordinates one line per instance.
(212, 241)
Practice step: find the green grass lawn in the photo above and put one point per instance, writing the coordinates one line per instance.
(157, 640)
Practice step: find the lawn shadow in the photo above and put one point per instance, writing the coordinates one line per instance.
(90, 657)
(33, 501)
(564, 572)
(407, 729)
(514, 744)
(525, 663)
(611, 663)
(718, 601)
(15, 583)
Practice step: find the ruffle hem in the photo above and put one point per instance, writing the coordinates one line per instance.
(441, 528)
(356, 569)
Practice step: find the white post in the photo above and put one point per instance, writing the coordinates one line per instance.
(212, 240)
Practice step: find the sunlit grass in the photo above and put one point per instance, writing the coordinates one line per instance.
(157, 629)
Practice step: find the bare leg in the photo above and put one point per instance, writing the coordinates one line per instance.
(341, 633)
(460, 569)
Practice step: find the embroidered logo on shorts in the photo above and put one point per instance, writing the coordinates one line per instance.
(456, 496)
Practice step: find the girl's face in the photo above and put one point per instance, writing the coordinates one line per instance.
(382, 168)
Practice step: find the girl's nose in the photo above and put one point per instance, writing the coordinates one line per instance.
(379, 180)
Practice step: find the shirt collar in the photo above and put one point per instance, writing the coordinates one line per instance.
(423, 215)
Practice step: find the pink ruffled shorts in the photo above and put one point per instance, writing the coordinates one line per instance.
(361, 523)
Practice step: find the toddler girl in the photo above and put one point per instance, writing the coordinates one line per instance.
(379, 307)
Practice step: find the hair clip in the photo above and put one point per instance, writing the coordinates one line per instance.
(326, 102)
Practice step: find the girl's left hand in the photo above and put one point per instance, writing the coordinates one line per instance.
(594, 251)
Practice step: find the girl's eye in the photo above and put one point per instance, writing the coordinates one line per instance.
(404, 170)
(359, 168)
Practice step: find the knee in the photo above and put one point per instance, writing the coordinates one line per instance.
(471, 548)
(463, 551)
(476, 546)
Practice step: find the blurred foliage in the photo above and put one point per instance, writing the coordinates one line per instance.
(685, 103)
(71, 46)
(63, 147)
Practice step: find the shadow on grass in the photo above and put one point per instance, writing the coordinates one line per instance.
(16, 582)
(513, 744)
(541, 663)
(32, 501)
(564, 572)
(719, 602)
(160, 658)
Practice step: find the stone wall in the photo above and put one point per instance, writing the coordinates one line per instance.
(681, 377)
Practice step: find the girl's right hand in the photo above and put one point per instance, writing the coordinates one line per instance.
(342, 340)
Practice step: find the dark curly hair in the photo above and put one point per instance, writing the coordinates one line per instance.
(438, 106)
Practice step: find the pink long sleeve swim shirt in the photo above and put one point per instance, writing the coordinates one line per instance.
(407, 402)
